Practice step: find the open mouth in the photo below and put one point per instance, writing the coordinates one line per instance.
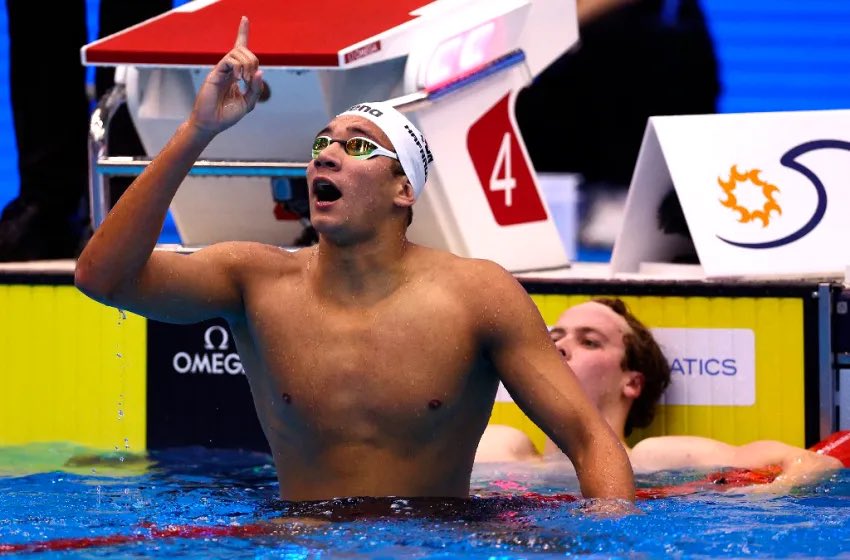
(325, 191)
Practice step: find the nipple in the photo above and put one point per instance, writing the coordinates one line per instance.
(286, 398)
(434, 404)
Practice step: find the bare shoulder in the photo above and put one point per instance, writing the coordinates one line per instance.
(659, 443)
(246, 251)
(472, 276)
(678, 452)
(252, 257)
(501, 443)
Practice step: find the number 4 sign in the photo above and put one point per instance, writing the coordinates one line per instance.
(506, 182)
(502, 168)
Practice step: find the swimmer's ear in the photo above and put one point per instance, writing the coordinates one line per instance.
(634, 384)
(404, 195)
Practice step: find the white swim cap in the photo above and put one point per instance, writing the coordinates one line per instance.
(408, 142)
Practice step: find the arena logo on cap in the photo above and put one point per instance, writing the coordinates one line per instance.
(366, 109)
(409, 143)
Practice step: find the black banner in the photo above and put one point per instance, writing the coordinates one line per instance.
(197, 391)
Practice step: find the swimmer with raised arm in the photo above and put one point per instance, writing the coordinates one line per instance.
(624, 372)
(373, 362)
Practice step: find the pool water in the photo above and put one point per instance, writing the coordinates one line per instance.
(61, 501)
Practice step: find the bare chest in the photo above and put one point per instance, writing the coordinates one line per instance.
(362, 370)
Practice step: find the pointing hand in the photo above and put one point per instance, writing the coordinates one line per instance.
(220, 102)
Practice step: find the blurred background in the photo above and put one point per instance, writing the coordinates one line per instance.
(773, 55)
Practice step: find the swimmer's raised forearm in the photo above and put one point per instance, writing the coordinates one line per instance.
(117, 267)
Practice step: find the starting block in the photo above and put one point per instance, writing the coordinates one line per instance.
(454, 67)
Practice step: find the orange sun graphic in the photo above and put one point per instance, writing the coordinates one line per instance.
(748, 215)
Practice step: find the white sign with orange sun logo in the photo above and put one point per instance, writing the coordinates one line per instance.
(762, 194)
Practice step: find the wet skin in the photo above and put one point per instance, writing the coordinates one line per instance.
(388, 398)
(373, 362)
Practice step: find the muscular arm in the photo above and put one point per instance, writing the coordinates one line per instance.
(546, 389)
(799, 466)
(119, 267)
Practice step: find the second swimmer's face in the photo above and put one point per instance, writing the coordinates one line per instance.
(590, 338)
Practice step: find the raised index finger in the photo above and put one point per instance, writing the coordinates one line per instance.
(242, 34)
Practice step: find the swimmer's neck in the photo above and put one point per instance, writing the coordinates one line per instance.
(370, 268)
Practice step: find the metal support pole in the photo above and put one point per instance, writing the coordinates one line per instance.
(826, 373)
(99, 199)
(206, 168)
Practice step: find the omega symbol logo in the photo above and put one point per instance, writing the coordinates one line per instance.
(223, 336)
(216, 359)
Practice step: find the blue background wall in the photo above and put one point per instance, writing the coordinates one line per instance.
(775, 55)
